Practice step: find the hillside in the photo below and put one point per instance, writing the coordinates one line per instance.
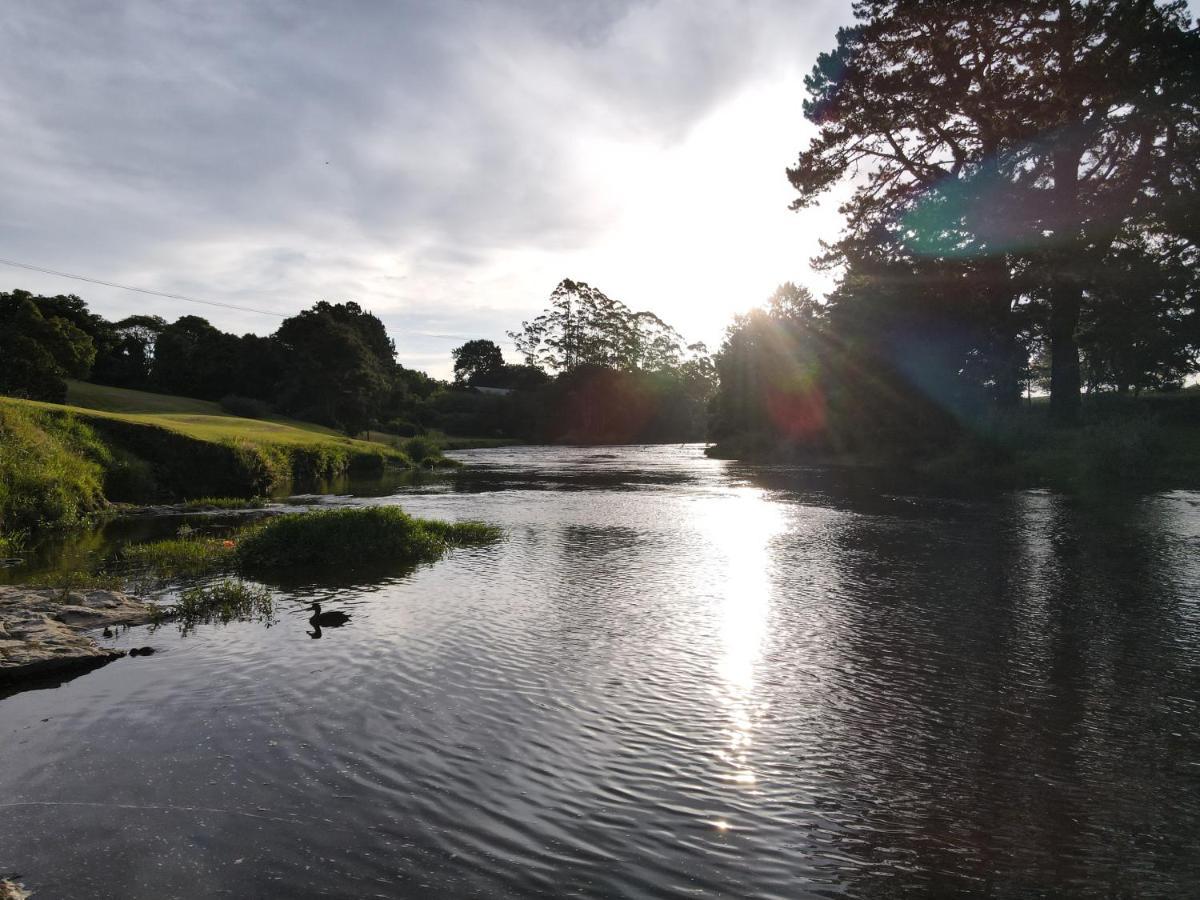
(201, 419)
(60, 462)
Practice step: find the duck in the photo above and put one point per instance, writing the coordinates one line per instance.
(326, 619)
(141, 651)
(108, 632)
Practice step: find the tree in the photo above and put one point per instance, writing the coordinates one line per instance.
(1139, 326)
(127, 357)
(584, 326)
(340, 365)
(1022, 137)
(37, 352)
(476, 360)
(193, 358)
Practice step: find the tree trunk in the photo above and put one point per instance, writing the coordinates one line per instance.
(1066, 291)
(1066, 297)
(1006, 362)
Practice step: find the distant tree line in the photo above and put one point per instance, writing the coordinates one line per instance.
(1023, 212)
(333, 364)
(618, 375)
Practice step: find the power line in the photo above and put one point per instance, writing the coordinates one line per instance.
(186, 299)
(126, 287)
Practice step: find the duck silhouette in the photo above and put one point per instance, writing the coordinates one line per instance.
(332, 619)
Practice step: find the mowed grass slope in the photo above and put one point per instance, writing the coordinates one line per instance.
(199, 419)
(132, 446)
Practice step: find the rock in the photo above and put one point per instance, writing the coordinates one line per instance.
(40, 630)
(11, 889)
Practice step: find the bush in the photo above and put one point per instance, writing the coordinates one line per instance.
(245, 407)
(420, 447)
(401, 428)
(346, 538)
(1128, 450)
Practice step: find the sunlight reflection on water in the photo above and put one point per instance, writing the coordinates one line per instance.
(739, 530)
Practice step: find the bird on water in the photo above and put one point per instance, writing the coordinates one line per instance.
(327, 619)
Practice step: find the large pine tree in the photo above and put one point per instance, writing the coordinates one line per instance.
(1022, 137)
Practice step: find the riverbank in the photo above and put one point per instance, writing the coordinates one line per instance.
(42, 632)
(61, 464)
(1024, 450)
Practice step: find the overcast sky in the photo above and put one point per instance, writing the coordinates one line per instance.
(445, 164)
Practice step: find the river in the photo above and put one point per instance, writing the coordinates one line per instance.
(674, 677)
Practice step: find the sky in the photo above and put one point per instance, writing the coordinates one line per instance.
(444, 164)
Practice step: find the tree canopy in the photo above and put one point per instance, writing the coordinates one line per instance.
(477, 360)
(340, 365)
(1021, 139)
(37, 351)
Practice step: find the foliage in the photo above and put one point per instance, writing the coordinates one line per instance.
(224, 503)
(346, 538)
(420, 447)
(585, 327)
(77, 580)
(226, 601)
(125, 350)
(340, 365)
(475, 361)
(1021, 140)
(37, 351)
(173, 557)
(51, 468)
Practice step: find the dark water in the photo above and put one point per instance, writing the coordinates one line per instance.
(676, 677)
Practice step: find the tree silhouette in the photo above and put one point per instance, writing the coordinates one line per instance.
(475, 360)
(1022, 137)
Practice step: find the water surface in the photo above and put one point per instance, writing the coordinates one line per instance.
(675, 677)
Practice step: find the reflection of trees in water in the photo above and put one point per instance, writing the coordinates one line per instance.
(1004, 692)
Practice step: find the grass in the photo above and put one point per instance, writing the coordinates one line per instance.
(77, 580)
(13, 541)
(174, 557)
(342, 539)
(327, 542)
(224, 503)
(199, 419)
(60, 463)
(226, 601)
(52, 469)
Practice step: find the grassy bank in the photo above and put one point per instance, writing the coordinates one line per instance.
(1127, 443)
(60, 463)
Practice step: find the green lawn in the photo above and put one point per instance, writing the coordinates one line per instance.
(200, 419)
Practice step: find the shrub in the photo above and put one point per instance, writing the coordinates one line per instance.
(1126, 450)
(401, 428)
(245, 407)
(346, 538)
(420, 448)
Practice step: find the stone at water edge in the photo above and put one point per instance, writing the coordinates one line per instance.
(40, 630)
(10, 889)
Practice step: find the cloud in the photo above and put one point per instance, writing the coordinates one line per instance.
(435, 161)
